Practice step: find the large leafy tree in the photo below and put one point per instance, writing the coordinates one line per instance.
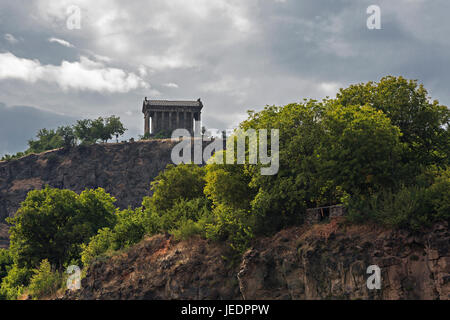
(52, 224)
(361, 150)
(424, 123)
(103, 129)
(282, 198)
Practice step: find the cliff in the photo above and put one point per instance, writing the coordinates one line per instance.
(125, 170)
(326, 261)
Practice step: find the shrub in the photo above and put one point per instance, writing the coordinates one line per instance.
(97, 246)
(44, 281)
(181, 182)
(439, 195)
(234, 226)
(188, 229)
(14, 284)
(5, 262)
(130, 229)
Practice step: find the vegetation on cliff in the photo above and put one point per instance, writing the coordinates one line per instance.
(85, 131)
(381, 148)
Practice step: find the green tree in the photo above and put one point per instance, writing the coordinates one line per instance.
(114, 127)
(228, 185)
(424, 123)
(46, 140)
(52, 224)
(181, 182)
(91, 131)
(362, 150)
(67, 135)
(281, 199)
(83, 131)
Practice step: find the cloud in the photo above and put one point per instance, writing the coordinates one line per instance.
(61, 42)
(235, 55)
(171, 85)
(10, 38)
(329, 88)
(84, 75)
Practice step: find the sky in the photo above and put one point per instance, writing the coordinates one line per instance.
(64, 60)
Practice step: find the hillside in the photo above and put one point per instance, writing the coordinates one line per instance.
(123, 169)
(325, 261)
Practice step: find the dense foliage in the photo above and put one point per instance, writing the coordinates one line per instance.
(52, 224)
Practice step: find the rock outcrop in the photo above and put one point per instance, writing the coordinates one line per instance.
(326, 261)
(159, 268)
(125, 170)
(4, 236)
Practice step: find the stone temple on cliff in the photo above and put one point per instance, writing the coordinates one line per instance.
(166, 116)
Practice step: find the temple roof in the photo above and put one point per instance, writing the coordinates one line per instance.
(173, 103)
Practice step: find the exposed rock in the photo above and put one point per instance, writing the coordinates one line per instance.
(158, 268)
(124, 169)
(310, 266)
(325, 261)
(4, 236)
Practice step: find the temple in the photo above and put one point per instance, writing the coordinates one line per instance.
(167, 116)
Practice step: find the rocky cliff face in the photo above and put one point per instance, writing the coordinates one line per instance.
(325, 261)
(4, 237)
(124, 169)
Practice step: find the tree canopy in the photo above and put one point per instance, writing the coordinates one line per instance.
(52, 224)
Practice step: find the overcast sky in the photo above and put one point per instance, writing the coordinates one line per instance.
(234, 54)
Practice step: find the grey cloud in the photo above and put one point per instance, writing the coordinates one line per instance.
(235, 55)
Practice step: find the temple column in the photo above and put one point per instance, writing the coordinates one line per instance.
(164, 116)
(190, 122)
(178, 119)
(170, 122)
(153, 122)
(147, 123)
(199, 122)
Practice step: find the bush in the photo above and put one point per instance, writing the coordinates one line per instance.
(411, 207)
(6, 262)
(97, 246)
(44, 281)
(181, 182)
(439, 195)
(234, 226)
(130, 229)
(188, 229)
(14, 284)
